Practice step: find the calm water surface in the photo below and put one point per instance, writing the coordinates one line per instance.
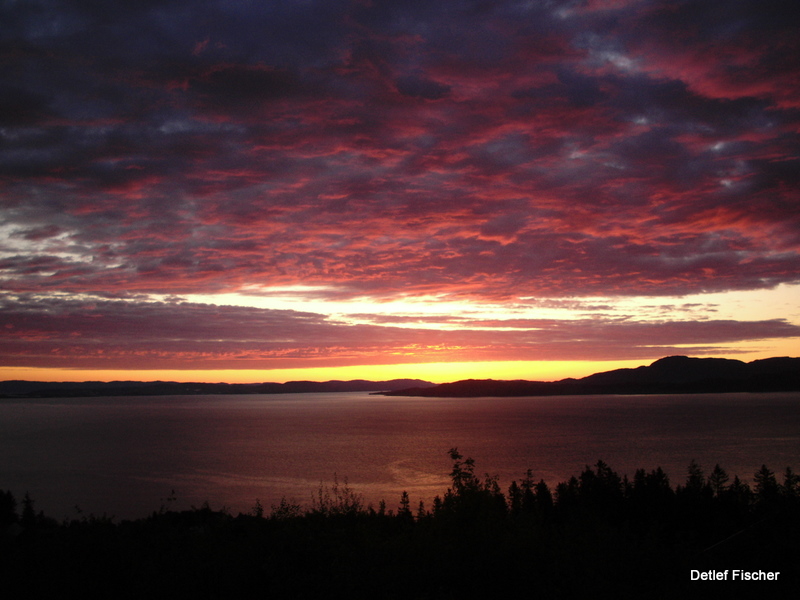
(123, 456)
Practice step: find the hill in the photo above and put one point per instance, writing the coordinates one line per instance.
(39, 389)
(670, 375)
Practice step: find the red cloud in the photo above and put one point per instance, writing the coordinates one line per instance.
(611, 148)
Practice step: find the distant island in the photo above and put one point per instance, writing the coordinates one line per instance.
(67, 389)
(670, 375)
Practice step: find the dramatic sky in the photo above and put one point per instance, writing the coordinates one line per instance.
(272, 190)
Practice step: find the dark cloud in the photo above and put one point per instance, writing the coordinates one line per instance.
(580, 90)
(19, 107)
(419, 87)
(38, 233)
(239, 88)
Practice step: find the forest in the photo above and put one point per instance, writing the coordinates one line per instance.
(598, 535)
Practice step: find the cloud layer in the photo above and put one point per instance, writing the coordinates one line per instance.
(127, 335)
(472, 150)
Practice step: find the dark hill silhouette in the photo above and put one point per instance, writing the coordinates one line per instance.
(39, 389)
(673, 374)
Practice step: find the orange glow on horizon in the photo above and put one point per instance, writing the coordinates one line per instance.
(435, 372)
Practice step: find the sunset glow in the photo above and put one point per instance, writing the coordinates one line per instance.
(367, 190)
(435, 372)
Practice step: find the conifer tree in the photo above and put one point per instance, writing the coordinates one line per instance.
(718, 480)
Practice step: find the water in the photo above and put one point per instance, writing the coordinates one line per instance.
(124, 456)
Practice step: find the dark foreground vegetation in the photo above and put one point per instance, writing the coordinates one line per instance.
(599, 535)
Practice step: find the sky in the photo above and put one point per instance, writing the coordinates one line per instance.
(273, 191)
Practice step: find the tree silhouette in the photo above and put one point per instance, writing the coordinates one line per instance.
(766, 486)
(28, 519)
(404, 511)
(718, 480)
(598, 533)
(791, 484)
(8, 509)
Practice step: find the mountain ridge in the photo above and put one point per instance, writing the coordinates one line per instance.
(47, 389)
(668, 375)
(671, 374)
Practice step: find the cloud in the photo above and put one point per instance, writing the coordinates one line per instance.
(420, 87)
(482, 151)
(131, 334)
(745, 49)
